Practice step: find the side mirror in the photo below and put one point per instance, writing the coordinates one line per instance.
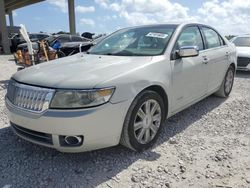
(188, 51)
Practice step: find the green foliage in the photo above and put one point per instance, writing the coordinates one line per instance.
(230, 37)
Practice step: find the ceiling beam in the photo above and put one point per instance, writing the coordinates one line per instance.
(15, 4)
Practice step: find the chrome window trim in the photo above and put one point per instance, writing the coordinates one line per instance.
(215, 48)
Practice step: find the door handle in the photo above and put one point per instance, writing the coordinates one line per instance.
(227, 53)
(205, 60)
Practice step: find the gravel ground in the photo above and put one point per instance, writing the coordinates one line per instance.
(207, 145)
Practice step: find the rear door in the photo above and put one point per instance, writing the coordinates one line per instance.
(189, 73)
(217, 57)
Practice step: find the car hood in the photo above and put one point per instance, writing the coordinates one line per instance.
(243, 51)
(79, 71)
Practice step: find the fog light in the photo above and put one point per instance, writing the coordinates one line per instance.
(71, 141)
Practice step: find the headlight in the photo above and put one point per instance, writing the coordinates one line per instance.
(64, 99)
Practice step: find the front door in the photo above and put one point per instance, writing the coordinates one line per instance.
(189, 78)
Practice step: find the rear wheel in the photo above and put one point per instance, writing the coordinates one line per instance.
(143, 122)
(227, 84)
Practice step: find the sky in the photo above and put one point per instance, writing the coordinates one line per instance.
(106, 16)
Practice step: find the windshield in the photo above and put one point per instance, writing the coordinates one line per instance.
(32, 36)
(50, 39)
(141, 41)
(242, 41)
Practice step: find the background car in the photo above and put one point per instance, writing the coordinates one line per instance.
(17, 39)
(70, 48)
(55, 41)
(242, 44)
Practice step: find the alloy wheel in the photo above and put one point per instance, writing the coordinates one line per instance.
(147, 121)
(229, 81)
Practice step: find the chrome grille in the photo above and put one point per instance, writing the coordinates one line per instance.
(28, 97)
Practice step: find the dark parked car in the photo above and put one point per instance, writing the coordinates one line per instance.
(17, 39)
(70, 48)
(56, 41)
(65, 38)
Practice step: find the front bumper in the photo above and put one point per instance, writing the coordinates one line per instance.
(100, 126)
(243, 68)
(243, 63)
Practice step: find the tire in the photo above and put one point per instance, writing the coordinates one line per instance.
(227, 84)
(150, 125)
(60, 54)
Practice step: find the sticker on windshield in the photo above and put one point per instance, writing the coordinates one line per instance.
(157, 35)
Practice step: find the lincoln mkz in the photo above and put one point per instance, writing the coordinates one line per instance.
(123, 89)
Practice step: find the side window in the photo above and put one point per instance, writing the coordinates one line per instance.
(41, 36)
(63, 39)
(190, 36)
(32, 36)
(77, 39)
(212, 38)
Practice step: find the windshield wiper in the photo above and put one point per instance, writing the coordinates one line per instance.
(121, 53)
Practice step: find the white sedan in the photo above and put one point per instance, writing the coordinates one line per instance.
(122, 90)
(242, 44)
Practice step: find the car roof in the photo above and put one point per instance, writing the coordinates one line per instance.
(171, 25)
(59, 35)
(247, 35)
(39, 34)
(151, 25)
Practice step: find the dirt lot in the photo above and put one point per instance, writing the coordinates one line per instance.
(207, 145)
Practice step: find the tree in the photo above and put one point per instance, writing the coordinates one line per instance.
(229, 37)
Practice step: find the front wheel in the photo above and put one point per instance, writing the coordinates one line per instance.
(60, 54)
(143, 122)
(227, 84)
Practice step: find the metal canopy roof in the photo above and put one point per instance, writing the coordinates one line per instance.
(15, 4)
(7, 6)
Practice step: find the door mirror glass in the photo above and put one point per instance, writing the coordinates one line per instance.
(188, 51)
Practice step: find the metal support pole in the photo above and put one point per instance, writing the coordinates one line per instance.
(72, 21)
(11, 19)
(3, 29)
